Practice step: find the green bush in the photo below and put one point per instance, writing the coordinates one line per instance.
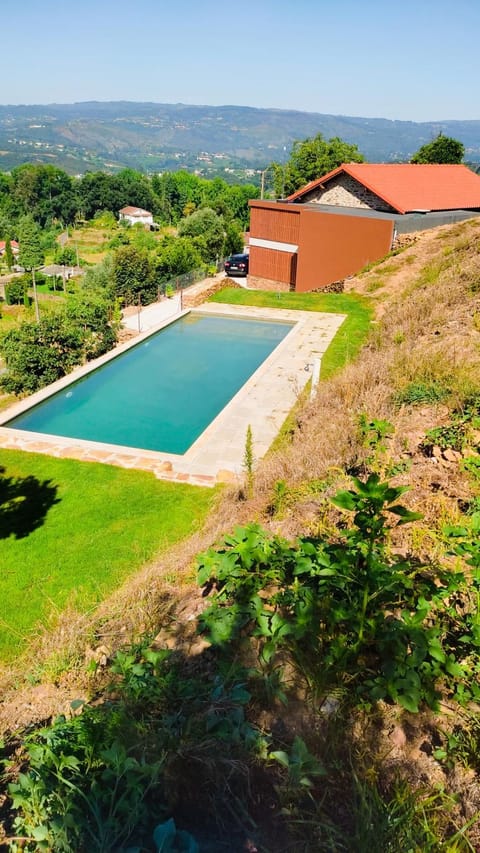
(347, 610)
(16, 291)
(108, 775)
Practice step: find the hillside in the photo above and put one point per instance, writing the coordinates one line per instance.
(154, 137)
(377, 776)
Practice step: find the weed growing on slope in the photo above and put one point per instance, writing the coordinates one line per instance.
(345, 610)
(420, 392)
(110, 774)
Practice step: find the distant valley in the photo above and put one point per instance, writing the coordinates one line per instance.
(229, 141)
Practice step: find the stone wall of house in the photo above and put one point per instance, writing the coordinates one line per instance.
(255, 282)
(345, 191)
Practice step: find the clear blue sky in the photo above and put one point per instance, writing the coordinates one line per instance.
(409, 59)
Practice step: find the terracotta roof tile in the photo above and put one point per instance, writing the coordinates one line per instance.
(408, 186)
(134, 211)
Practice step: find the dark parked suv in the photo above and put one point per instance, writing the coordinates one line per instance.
(236, 265)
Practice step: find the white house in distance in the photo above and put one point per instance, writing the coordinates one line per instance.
(14, 246)
(134, 215)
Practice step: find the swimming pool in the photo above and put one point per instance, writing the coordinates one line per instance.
(161, 394)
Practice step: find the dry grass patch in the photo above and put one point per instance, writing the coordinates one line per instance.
(426, 334)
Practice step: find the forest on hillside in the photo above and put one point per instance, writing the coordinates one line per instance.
(229, 141)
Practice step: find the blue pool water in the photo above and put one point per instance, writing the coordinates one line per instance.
(162, 393)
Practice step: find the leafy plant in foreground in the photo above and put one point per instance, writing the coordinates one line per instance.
(83, 789)
(168, 839)
(300, 764)
(346, 610)
(94, 782)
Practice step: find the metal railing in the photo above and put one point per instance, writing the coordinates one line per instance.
(180, 282)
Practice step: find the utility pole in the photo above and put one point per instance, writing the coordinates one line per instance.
(262, 185)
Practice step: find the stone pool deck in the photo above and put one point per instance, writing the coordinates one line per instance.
(217, 455)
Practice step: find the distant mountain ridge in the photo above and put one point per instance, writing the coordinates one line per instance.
(153, 137)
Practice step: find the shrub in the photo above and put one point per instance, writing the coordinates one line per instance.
(15, 291)
(347, 610)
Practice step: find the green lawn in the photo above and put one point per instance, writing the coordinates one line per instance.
(50, 291)
(71, 532)
(349, 338)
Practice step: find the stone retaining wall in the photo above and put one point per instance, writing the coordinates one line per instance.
(199, 295)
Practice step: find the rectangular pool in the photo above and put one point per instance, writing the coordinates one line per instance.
(162, 393)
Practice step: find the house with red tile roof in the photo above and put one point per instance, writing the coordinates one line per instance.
(395, 187)
(334, 226)
(135, 215)
(13, 244)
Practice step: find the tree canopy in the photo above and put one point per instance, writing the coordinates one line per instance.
(30, 254)
(311, 159)
(443, 149)
(207, 230)
(54, 198)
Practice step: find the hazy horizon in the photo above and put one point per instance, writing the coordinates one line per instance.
(369, 59)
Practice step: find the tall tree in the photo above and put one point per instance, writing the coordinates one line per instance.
(8, 253)
(44, 192)
(442, 149)
(30, 255)
(176, 190)
(131, 187)
(176, 256)
(132, 273)
(311, 159)
(208, 233)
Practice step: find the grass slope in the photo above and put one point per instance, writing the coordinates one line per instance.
(346, 343)
(93, 525)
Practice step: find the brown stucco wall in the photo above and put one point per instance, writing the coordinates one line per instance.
(273, 221)
(332, 247)
(272, 264)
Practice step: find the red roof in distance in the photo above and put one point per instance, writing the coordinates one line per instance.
(410, 186)
(134, 211)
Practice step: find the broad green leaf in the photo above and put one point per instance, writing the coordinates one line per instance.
(281, 757)
(239, 694)
(405, 514)
(436, 651)
(453, 668)
(409, 701)
(164, 836)
(40, 833)
(344, 500)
